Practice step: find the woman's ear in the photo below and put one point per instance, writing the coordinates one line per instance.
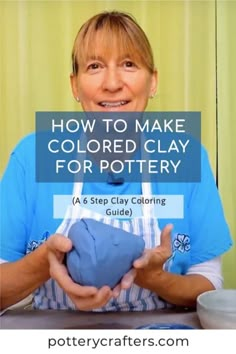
(74, 87)
(154, 83)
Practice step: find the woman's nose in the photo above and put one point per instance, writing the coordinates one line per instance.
(112, 80)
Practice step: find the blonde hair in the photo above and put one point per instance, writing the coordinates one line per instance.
(116, 30)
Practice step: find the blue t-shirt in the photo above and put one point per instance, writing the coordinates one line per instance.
(27, 210)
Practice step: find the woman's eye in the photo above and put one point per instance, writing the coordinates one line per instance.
(93, 66)
(129, 64)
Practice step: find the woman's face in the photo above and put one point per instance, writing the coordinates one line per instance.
(113, 83)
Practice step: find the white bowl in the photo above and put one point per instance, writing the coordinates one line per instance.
(216, 309)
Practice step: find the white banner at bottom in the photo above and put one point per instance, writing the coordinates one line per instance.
(116, 341)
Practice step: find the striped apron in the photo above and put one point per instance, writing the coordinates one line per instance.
(51, 296)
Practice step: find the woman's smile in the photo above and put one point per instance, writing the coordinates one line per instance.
(116, 105)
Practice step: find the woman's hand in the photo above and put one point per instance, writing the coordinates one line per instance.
(84, 297)
(150, 265)
(148, 273)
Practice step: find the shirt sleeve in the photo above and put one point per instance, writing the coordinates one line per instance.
(210, 236)
(14, 220)
(211, 270)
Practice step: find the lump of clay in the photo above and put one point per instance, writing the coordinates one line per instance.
(101, 253)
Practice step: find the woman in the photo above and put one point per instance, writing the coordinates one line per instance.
(113, 70)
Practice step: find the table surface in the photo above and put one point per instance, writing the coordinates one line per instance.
(64, 319)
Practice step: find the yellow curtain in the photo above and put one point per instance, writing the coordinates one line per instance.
(226, 59)
(36, 38)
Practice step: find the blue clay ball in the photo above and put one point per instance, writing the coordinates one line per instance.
(101, 254)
